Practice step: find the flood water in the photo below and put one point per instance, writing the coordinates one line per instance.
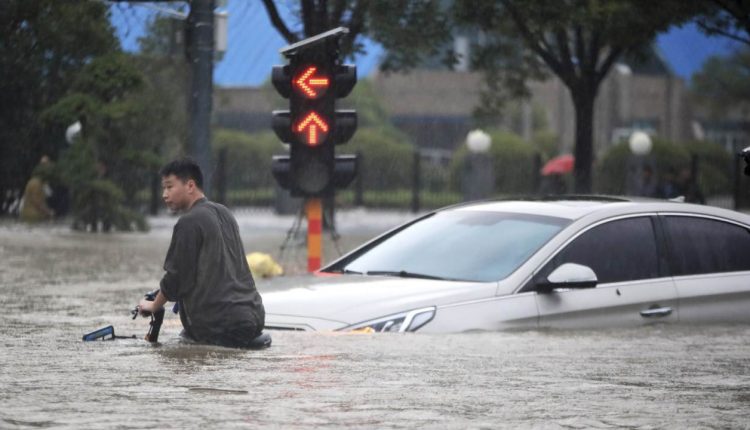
(56, 285)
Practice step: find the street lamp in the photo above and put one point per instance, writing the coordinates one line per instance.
(479, 178)
(640, 178)
(478, 141)
(640, 143)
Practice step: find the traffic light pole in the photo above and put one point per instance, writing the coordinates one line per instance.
(312, 126)
(200, 45)
(314, 212)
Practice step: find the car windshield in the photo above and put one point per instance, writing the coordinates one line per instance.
(459, 245)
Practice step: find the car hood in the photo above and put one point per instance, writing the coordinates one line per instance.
(331, 302)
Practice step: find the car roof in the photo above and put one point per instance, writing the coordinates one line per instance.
(574, 207)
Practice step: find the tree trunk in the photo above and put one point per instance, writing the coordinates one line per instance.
(583, 101)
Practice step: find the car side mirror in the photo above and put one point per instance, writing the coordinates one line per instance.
(568, 275)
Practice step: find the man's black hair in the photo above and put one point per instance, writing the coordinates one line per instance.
(184, 169)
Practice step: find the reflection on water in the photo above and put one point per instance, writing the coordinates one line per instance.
(55, 288)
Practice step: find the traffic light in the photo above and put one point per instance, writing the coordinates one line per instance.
(312, 126)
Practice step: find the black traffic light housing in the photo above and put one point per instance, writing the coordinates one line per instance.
(312, 81)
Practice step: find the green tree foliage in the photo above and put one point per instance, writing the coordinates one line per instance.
(512, 159)
(386, 162)
(166, 75)
(409, 30)
(576, 40)
(249, 157)
(723, 83)
(116, 155)
(668, 159)
(44, 44)
(728, 18)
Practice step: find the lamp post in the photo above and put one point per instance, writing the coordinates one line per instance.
(640, 178)
(479, 179)
(640, 143)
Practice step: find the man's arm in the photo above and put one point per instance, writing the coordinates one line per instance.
(151, 306)
(181, 261)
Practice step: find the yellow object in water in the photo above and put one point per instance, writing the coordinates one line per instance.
(263, 265)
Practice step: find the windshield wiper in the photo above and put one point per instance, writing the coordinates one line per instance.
(349, 272)
(404, 274)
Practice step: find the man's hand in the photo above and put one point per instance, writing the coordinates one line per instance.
(146, 307)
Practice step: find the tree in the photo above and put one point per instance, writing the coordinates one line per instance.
(111, 163)
(728, 18)
(577, 40)
(724, 83)
(409, 30)
(44, 44)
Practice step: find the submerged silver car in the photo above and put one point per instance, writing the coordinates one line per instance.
(578, 262)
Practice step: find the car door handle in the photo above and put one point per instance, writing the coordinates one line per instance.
(656, 312)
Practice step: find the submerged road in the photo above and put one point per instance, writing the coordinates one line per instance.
(56, 285)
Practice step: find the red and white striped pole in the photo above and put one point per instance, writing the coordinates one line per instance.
(314, 211)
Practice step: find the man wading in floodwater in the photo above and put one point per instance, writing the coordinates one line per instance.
(206, 270)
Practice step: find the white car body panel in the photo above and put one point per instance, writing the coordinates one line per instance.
(718, 297)
(515, 311)
(356, 298)
(609, 305)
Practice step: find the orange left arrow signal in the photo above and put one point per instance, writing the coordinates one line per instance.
(308, 83)
(315, 128)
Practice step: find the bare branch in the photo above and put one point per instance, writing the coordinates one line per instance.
(278, 23)
(740, 11)
(356, 25)
(583, 56)
(712, 29)
(537, 44)
(612, 56)
(563, 44)
(594, 49)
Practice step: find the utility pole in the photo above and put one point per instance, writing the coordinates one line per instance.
(200, 54)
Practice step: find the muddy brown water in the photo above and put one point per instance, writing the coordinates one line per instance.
(56, 285)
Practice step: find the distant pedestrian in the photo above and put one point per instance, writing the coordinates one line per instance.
(553, 184)
(207, 273)
(687, 186)
(647, 185)
(34, 207)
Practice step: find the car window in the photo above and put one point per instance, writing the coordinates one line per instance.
(701, 245)
(462, 245)
(621, 250)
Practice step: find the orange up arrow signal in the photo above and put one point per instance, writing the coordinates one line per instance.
(307, 83)
(316, 128)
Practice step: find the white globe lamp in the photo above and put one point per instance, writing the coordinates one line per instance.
(478, 141)
(640, 143)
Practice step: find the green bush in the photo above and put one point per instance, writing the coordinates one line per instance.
(248, 157)
(512, 159)
(714, 167)
(385, 164)
(387, 158)
(668, 159)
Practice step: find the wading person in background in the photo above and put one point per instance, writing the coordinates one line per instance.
(34, 207)
(206, 270)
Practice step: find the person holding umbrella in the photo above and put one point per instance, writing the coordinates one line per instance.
(552, 174)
